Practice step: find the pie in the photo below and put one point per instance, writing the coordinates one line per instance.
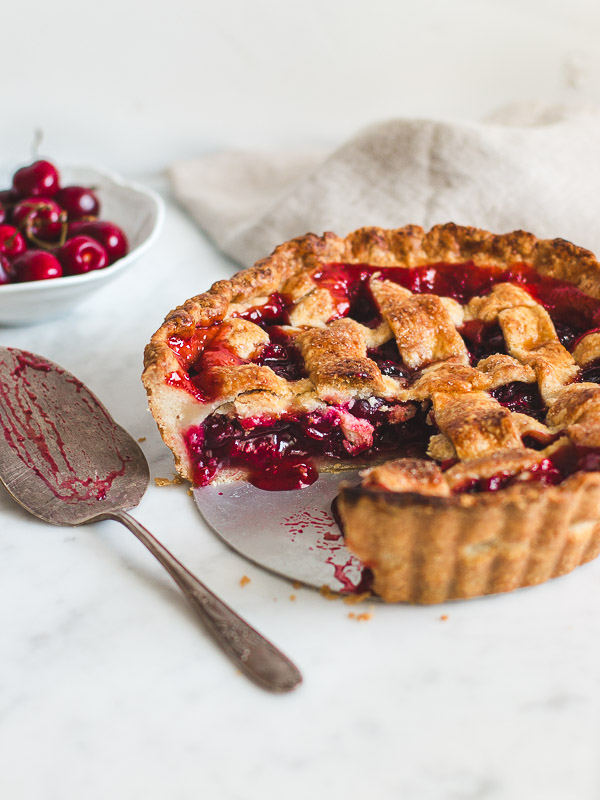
(459, 368)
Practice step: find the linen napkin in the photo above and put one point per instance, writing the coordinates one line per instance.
(532, 168)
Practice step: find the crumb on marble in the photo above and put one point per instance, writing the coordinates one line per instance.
(292, 598)
(296, 584)
(364, 617)
(327, 593)
(444, 617)
(142, 439)
(354, 599)
(244, 580)
(176, 480)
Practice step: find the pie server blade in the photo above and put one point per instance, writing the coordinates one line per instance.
(290, 533)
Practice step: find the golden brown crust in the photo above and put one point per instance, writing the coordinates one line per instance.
(405, 247)
(425, 549)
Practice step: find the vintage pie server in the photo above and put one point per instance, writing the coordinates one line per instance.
(64, 459)
(293, 534)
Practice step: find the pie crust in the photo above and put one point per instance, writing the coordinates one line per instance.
(492, 507)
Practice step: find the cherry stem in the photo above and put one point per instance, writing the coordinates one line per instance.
(38, 138)
(64, 227)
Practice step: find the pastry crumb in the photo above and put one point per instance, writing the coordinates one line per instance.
(244, 580)
(360, 617)
(174, 481)
(328, 594)
(354, 599)
(292, 597)
(296, 584)
(142, 439)
(444, 617)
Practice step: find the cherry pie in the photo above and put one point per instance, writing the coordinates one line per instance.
(458, 367)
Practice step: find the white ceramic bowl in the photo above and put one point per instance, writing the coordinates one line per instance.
(137, 210)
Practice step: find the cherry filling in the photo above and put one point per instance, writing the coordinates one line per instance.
(482, 340)
(282, 356)
(277, 454)
(389, 360)
(590, 373)
(523, 398)
(549, 472)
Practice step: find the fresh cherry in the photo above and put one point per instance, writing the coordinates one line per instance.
(11, 242)
(5, 270)
(111, 237)
(41, 219)
(75, 227)
(78, 202)
(36, 265)
(39, 179)
(82, 254)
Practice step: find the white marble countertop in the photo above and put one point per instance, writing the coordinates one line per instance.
(110, 689)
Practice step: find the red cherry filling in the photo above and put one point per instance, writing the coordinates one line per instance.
(283, 358)
(278, 454)
(523, 398)
(389, 360)
(549, 472)
(546, 472)
(273, 312)
(39, 179)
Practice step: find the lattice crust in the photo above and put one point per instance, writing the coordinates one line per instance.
(471, 425)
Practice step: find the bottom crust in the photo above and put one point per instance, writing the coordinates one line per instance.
(428, 550)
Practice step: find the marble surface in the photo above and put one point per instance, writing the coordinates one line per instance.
(110, 688)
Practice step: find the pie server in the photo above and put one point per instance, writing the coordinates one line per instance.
(293, 533)
(64, 459)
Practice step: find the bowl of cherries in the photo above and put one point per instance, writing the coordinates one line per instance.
(65, 234)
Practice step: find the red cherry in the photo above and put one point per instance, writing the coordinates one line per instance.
(11, 242)
(111, 237)
(36, 265)
(40, 218)
(78, 202)
(82, 254)
(75, 227)
(39, 179)
(5, 270)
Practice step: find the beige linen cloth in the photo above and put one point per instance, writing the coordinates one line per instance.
(532, 168)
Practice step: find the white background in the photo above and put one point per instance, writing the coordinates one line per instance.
(138, 84)
(108, 688)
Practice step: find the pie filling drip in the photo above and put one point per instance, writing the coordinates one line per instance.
(279, 451)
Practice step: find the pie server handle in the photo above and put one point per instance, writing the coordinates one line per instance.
(254, 655)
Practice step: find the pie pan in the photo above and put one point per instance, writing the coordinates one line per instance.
(136, 209)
